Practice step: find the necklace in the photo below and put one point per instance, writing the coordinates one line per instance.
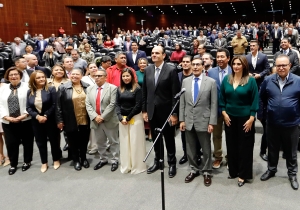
(78, 91)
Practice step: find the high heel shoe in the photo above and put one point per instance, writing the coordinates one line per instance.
(2, 160)
(44, 168)
(56, 165)
(241, 183)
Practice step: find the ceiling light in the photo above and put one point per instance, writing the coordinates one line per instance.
(92, 8)
(171, 6)
(142, 7)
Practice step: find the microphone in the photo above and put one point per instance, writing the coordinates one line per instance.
(180, 93)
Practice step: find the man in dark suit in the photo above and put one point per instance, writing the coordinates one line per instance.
(259, 68)
(21, 64)
(195, 32)
(249, 32)
(32, 64)
(41, 45)
(160, 86)
(276, 35)
(258, 63)
(134, 55)
(294, 60)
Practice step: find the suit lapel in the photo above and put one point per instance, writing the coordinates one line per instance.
(93, 95)
(202, 87)
(104, 91)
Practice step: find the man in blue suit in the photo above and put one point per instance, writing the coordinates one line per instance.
(218, 73)
(41, 45)
(127, 44)
(259, 68)
(276, 36)
(134, 55)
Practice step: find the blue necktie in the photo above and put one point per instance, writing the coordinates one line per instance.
(196, 89)
(223, 72)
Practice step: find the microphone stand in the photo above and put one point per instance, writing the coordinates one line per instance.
(161, 158)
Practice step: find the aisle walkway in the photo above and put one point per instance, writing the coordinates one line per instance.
(106, 190)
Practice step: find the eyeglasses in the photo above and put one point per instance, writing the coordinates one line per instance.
(196, 64)
(281, 65)
(11, 75)
(99, 76)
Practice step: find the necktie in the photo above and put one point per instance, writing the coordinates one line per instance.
(156, 75)
(196, 89)
(98, 102)
(206, 72)
(285, 52)
(223, 73)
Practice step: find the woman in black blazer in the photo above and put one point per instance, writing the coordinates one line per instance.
(41, 103)
(71, 115)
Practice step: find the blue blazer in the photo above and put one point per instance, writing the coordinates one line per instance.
(214, 73)
(279, 34)
(38, 45)
(48, 100)
(131, 63)
(125, 46)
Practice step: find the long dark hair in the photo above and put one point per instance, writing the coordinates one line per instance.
(134, 84)
(245, 65)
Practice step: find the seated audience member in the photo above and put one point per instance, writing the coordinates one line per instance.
(108, 43)
(114, 72)
(41, 103)
(50, 56)
(72, 117)
(104, 121)
(134, 55)
(81, 46)
(105, 62)
(79, 63)
(16, 121)
(178, 54)
(87, 54)
(131, 126)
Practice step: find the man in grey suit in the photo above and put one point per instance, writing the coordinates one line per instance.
(220, 42)
(100, 105)
(198, 113)
(18, 48)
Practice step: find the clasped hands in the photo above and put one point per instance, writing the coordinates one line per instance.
(98, 119)
(173, 119)
(15, 119)
(247, 125)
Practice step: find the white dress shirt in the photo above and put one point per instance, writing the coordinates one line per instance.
(134, 54)
(254, 60)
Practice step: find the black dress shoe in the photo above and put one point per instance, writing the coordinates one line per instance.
(183, 160)
(207, 180)
(172, 171)
(191, 177)
(85, 163)
(114, 166)
(153, 168)
(66, 147)
(77, 166)
(241, 183)
(267, 175)
(100, 165)
(294, 182)
(263, 156)
(12, 170)
(26, 166)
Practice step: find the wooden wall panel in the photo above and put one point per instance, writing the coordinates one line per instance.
(44, 18)
(139, 2)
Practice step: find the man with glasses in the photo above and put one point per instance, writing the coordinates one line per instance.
(239, 43)
(280, 93)
(201, 51)
(197, 115)
(294, 60)
(104, 120)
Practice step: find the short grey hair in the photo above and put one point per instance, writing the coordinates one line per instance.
(119, 53)
(103, 70)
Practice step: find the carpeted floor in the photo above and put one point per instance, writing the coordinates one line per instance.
(106, 190)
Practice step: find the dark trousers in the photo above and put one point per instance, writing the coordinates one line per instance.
(198, 146)
(264, 142)
(16, 134)
(78, 140)
(168, 133)
(239, 148)
(266, 42)
(288, 137)
(44, 132)
(276, 44)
